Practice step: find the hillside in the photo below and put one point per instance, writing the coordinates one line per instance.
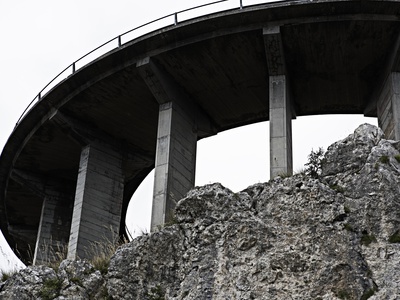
(330, 232)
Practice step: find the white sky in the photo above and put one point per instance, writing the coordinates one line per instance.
(40, 38)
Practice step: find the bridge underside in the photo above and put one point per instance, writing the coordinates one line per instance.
(89, 143)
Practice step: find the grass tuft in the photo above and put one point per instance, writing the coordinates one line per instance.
(367, 239)
(394, 238)
(384, 159)
(348, 227)
(101, 252)
(51, 289)
(5, 275)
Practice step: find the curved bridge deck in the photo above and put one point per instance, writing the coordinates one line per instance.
(199, 77)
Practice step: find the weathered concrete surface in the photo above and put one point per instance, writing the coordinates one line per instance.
(338, 55)
(175, 161)
(280, 107)
(389, 107)
(98, 200)
(54, 230)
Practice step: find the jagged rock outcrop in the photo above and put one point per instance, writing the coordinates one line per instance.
(72, 280)
(336, 236)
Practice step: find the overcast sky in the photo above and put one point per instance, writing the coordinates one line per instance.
(40, 38)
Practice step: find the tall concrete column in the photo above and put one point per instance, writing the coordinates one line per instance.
(98, 199)
(54, 228)
(280, 127)
(55, 220)
(388, 107)
(280, 109)
(176, 142)
(175, 161)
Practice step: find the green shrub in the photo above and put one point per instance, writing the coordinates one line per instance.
(347, 209)
(76, 280)
(384, 159)
(337, 188)
(394, 238)
(342, 294)
(367, 294)
(368, 239)
(315, 163)
(5, 275)
(51, 289)
(156, 293)
(348, 227)
(397, 157)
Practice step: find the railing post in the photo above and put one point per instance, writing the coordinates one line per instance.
(241, 4)
(176, 18)
(39, 96)
(73, 67)
(119, 41)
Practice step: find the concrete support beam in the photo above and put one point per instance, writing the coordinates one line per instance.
(98, 199)
(54, 228)
(388, 107)
(281, 111)
(176, 142)
(55, 220)
(175, 162)
(281, 161)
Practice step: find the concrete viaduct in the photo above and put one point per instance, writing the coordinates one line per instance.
(70, 167)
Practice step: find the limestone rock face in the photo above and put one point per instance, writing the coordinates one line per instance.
(73, 280)
(332, 237)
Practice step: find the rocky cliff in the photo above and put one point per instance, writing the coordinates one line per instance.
(329, 234)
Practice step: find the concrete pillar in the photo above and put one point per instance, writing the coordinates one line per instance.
(54, 228)
(55, 220)
(280, 109)
(176, 141)
(98, 199)
(280, 119)
(175, 161)
(388, 107)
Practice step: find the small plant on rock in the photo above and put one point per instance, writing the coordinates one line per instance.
(397, 157)
(367, 294)
(102, 251)
(395, 237)
(315, 163)
(156, 293)
(5, 275)
(384, 159)
(348, 227)
(367, 239)
(51, 288)
(284, 175)
(342, 294)
(337, 188)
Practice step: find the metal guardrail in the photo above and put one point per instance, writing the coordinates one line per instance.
(118, 38)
